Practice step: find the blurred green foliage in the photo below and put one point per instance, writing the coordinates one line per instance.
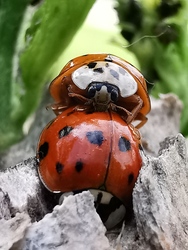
(32, 39)
(34, 35)
(157, 31)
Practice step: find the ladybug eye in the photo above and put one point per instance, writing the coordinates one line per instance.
(91, 91)
(114, 95)
(114, 92)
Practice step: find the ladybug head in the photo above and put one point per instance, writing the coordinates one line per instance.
(103, 93)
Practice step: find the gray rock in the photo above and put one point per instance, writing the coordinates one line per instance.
(12, 230)
(21, 191)
(74, 225)
(163, 121)
(5, 206)
(160, 197)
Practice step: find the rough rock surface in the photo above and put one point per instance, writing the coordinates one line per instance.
(12, 230)
(160, 200)
(69, 226)
(163, 121)
(160, 197)
(20, 191)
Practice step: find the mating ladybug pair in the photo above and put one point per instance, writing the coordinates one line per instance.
(91, 144)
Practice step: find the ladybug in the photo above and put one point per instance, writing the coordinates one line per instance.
(100, 82)
(91, 151)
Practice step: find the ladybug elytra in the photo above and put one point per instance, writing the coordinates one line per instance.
(91, 151)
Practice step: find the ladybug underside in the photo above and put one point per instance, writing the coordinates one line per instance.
(110, 209)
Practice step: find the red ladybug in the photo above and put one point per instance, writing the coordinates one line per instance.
(91, 151)
(100, 82)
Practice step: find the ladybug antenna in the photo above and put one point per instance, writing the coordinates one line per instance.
(147, 36)
(150, 85)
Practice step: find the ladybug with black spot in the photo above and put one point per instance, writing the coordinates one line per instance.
(94, 151)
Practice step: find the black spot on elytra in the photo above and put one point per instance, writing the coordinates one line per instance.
(65, 131)
(130, 178)
(114, 73)
(98, 70)
(59, 167)
(124, 144)
(91, 65)
(79, 166)
(95, 137)
(43, 150)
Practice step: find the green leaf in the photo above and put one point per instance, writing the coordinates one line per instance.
(26, 69)
(52, 28)
(11, 15)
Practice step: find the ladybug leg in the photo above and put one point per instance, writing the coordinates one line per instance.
(122, 110)
(135, 132)
(115, 107)
(81, 98)
(139, 102)
(133, 114)
(57, 108)
(86, 106)
(142, 118)
(82, 108)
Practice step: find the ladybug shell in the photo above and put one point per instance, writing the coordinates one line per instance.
(59, 86)
(79, 151)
